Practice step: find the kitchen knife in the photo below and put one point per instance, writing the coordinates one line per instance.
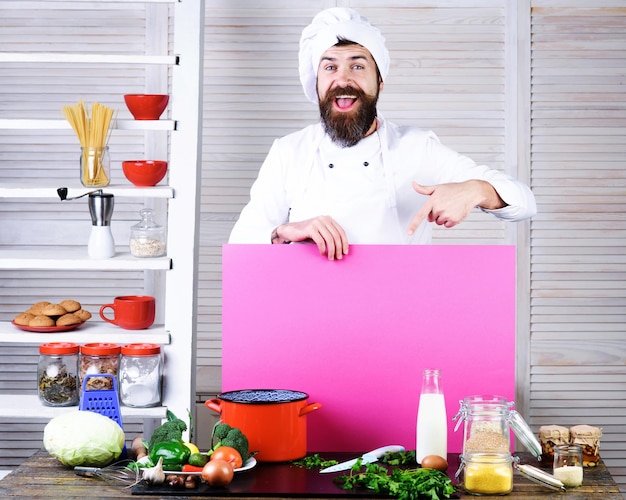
(367, 458)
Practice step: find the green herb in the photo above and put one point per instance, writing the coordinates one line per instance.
(399, 458)
(404, 484)
(312, 461)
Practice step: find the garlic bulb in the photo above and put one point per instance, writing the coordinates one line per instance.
(154, 475)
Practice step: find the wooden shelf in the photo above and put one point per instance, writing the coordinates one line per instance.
(92, 331)
(61, 124)
(60, 57)
(76, 258)
(22, 190)
(180, 286)
(23, 406)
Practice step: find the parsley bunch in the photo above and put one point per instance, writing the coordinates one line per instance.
(399, 458)
(404, 484)
(312, 461)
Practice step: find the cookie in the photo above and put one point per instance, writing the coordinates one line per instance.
(83, 314)
(68, 319)
(70, 305)
(23, 319)
(36, 309)
(54, 310)
(41, 320)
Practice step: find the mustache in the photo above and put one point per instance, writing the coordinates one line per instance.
(343, 91)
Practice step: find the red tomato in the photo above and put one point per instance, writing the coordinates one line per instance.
(228, 454)
(218, 473)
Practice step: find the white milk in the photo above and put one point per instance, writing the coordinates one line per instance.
(432, 427)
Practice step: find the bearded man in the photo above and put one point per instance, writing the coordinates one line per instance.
(355, 177)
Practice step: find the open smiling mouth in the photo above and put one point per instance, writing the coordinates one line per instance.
(345, 102)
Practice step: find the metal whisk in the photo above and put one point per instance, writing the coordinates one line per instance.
(118, 472)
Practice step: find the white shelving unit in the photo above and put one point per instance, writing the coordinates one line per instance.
(178, 332)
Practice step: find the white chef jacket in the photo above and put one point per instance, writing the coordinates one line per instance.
(366, 188)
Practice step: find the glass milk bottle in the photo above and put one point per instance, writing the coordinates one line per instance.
(432, 427)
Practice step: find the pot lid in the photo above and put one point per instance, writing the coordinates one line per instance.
(524, 434)
(263, 396)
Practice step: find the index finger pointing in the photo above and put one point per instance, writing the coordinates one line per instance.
(419, 217)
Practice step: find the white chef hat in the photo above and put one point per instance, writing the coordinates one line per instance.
(323, 33)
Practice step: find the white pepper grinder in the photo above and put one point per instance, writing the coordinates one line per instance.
(101, 244)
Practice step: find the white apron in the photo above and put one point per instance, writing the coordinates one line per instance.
(353, 186)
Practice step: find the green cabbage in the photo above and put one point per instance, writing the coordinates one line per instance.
(83, 438)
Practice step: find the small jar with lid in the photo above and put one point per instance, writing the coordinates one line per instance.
(140, 375)
(147, 238)
(568, 464)
(57, 374)
(97, 358)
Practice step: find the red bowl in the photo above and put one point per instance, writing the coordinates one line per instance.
(144, 173)
(146, 106)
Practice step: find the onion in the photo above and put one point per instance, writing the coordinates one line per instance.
(218, 473)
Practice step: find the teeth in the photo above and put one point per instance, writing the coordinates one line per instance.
(346, 97)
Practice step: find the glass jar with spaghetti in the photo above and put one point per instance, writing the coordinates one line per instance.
(95, 166)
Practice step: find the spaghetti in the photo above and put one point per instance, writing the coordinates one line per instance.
(93, 134)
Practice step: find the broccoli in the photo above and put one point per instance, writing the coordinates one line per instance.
(225, 435)
(220, 431)
(171, 430)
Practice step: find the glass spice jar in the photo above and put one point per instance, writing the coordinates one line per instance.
(486, 460)
(96, 358)
(487, 474)
(140, 375)
(147, 238)
(57, 374)
(488, 421)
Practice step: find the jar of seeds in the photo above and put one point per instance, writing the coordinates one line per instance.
(57, 374)
(488, 421)
(486, 457)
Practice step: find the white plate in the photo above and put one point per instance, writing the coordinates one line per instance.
(251, 462)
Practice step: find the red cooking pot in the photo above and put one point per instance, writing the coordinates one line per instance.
(272, 420)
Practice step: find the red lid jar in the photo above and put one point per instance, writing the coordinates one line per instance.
(140, 375)
(97, 358)
(57, 374)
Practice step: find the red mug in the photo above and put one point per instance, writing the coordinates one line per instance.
(131, 312)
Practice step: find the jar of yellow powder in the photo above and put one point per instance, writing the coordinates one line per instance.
(487, 474)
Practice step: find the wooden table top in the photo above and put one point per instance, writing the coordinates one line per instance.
(42, 476)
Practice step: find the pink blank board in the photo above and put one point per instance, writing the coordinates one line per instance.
(355, 334)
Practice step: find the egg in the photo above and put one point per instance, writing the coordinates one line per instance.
(434, 462)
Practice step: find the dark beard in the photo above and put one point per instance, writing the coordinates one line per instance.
(347, 129)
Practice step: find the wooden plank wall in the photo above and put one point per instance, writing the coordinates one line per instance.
(578, 316)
